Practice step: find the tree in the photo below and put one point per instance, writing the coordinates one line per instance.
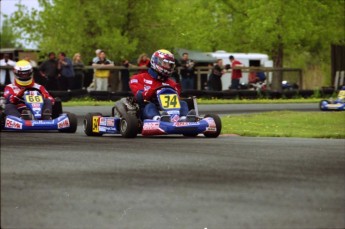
(9, 39)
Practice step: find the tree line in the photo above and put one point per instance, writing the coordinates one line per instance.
(289, 31)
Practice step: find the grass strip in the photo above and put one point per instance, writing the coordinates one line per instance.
(286, 124)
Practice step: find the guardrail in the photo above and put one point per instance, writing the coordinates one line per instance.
(203, 71)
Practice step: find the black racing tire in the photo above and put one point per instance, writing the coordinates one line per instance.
(73, 122)
(327, 101)
(190, 135)
(87, 124)
(129, 126)
(218, 123)
(57, 108)
(2, 120)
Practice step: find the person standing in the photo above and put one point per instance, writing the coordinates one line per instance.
(78, 67)
(125, 75)
(65, 67)
(92, 85)
(102, 75)
(6, 75)
(187, 72)
(236, 73)
(215, 76)
(143, 61)
(49, 70)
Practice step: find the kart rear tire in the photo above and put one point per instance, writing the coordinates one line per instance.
(218, 123)
(190, 135)
(87, 124)
(2, 120)
(73, 123)
(320, 104)
(129, 126)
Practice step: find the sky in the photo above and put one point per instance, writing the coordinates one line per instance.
(8, 7)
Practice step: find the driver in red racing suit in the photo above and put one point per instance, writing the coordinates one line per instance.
(14, 92)
(144, 85)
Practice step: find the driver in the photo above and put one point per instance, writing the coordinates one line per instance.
(14, 92)
(144, 85)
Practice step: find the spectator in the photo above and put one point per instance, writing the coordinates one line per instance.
(49, 70)
(215, 81)
(92, 85)
(175, 75)
(28, 59)
(187, 72)
(143, 61)
(6, 75)
(65, 67)
(78, 67)
(66, 70)
(102, 75)
(236, 73)
(125, 75)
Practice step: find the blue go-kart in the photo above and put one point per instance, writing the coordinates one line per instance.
(34, 116)
(126, 119)
(336, 105)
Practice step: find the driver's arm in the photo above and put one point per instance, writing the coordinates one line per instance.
(46, 94)
(11, 96)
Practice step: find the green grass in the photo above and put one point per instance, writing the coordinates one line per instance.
(286, 124)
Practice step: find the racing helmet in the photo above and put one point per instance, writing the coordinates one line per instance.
(163, 63)
(23, 73)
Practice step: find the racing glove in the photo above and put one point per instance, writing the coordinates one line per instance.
(15, 98)
(149, 93)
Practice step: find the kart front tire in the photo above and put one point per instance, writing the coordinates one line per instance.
(87, 124)
(129, 126)
(218, 123)
(73, 123)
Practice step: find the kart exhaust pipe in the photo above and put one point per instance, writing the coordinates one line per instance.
(195, 106)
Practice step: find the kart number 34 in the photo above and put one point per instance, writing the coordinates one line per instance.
(34, 99)
(169, 101)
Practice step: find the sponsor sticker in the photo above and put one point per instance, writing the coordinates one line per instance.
(151, 126)
(63, 124)
(95, 124)
(147, 81)
(110, 122)
(13, 124)
(134, 81)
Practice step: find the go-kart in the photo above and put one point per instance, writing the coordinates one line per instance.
(335, 105)
(34, 116)
(126, 119)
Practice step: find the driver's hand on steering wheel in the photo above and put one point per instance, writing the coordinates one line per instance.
(149, 93)
(20, 93)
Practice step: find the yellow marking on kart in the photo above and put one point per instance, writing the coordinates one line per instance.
(170, 101)
(95, 124)
(34, 98)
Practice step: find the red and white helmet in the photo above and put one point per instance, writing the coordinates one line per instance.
(163, 63)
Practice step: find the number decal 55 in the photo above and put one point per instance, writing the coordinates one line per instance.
(169, 101)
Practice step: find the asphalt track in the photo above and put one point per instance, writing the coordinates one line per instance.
(57, 180)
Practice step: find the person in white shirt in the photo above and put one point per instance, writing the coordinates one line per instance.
(6, 75)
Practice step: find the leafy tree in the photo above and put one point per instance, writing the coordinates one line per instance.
(9, 39)
(124, 28)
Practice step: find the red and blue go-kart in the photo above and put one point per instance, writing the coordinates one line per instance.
(34, 117)
(125, 119)
(336, 105)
